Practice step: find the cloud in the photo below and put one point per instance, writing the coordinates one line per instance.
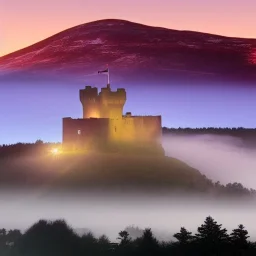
(220, 158)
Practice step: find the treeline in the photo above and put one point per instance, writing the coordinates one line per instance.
(237, 131)
(23, 149)
(231, 189)
(58, 239)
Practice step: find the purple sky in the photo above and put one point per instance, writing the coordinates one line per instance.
(31, 112)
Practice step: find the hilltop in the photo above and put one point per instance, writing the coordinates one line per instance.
(135, 51)
(33, 166)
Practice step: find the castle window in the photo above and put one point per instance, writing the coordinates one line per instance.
(79, 132)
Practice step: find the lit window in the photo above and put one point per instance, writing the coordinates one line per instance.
(78, 132)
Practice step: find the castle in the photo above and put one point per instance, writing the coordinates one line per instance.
(104, 124)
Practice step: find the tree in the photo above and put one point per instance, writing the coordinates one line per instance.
(3, 237)
(103, 240)
(125, 246)
(2, 232)
(134, 232)
(239, 237)
(183, 236)
(124, 238)
(39, 142)
(13, 236)
(212, 232)
(104, 244)
(211, 236)
(89, 244)
(148, 244)
(89, 238)
(49, 238)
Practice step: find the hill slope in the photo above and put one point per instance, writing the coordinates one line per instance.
(99, 171)
(137, 50)
(108, 174)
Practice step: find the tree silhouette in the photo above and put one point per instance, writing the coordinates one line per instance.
(183, 236)
(148, 244)
(39, 142)
(125, 246)
(104, 245)
(134, 232)
(13, 236)
(124, 238)
(239, 238)
(58, 239)
(49, 238)
(211, 237)
(89, 244)
(89, 238)
(3, 236)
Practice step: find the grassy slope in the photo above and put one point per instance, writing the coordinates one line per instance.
(110, 171)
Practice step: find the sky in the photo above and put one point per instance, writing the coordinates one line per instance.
(33, 112)
(25, 22)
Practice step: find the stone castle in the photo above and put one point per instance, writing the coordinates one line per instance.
(104, 124)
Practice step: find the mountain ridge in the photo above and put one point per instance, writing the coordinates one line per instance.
(137, 23)
(135, 49)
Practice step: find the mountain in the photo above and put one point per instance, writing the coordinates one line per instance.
(135, 51)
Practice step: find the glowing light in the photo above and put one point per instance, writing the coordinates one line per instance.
(55, 151)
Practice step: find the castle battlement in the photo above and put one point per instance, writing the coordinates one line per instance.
(103, 121)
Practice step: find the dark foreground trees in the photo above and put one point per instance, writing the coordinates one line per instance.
(58, 239)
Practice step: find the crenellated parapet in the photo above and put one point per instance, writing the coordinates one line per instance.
(112, 102)
(104, 123)
(90, 102)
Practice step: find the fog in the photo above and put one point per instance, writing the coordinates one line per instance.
(220, 158)
(103, 214)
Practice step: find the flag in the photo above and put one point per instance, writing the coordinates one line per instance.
(103, 71)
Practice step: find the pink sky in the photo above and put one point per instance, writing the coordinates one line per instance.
(24, 22)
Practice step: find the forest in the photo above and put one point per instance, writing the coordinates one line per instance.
(247, 135)
(57, 238)
(235, 131)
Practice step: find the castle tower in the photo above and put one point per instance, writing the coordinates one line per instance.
(90, 102)
(112, 103)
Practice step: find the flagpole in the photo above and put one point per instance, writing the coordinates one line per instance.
(108, 76)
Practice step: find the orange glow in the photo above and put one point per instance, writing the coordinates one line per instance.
(94, 114)
(55, 151)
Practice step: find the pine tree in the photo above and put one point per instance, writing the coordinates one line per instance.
(212, 232)
(239, 237)
(211, 236)
(148, 244)
(183, 236)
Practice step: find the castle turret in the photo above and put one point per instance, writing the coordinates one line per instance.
(112, 102)
(90, 101)
(103, 124)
